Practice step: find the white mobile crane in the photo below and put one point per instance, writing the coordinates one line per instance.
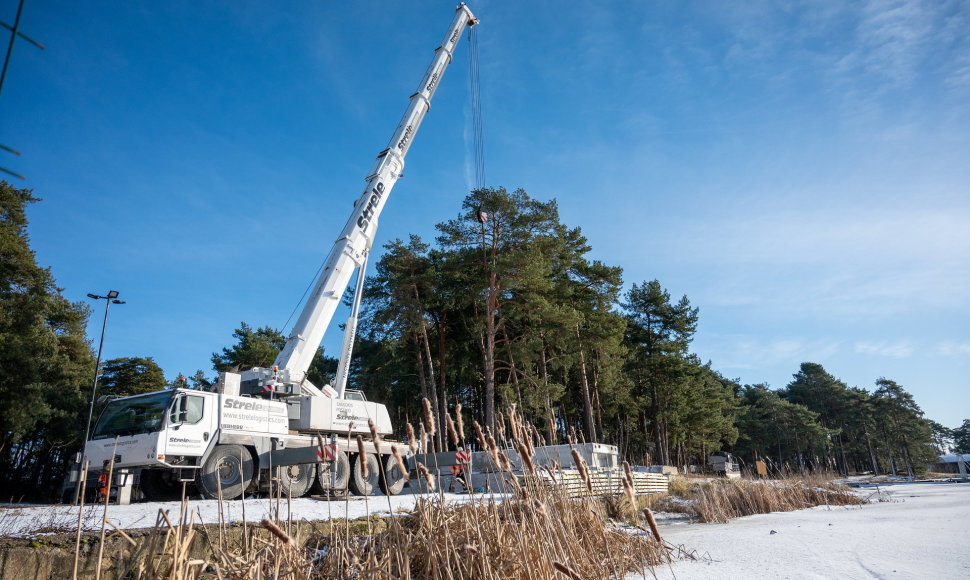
(227, 440)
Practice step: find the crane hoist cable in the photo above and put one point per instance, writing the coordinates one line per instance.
(478, 142)
(475, 95)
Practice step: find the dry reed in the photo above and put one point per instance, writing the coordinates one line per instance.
(721, 500)
(412, 444)
(428, 415)
(535, 532)
(538, 536)
(398, 459)
(460, 422)
(363, 456)
(452, 434)
(374, 436)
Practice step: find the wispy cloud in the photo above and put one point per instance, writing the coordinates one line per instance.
(829, 263)
(746, 352)
(954, 348)
(891, 40)
(898, 349)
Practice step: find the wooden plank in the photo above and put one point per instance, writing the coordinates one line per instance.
(602, 482)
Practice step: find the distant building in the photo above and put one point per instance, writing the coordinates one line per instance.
(949, 464)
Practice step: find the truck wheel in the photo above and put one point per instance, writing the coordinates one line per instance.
(229, 466)
(332, 478)
(392, 479)
(155, 486)
(359, 484)
(295, 480)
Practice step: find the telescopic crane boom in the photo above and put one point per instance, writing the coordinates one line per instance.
(351, 248)
(233, 439)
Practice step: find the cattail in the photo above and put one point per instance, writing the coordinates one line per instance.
(460, 422)
(572, 435)
(493, 449)
(527, 435)
(513, 423)
(628, 489)
(628, 472)
(566, 570)
(552, 430)
(276, 531)
(583, 472)
(397, 458)
(362, 459)
(423, 471)
(524, 455)
(412, 444)
(452, 434)
(422, 437)
(582, 437)
(540, 508)
(479, 436)
(500, 425)
(374, 435)
(505, 463)
(428, 415)
(552, 476)
(653, 524)
(539, 437)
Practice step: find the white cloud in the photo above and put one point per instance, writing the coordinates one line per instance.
(898, 349)
(746, 352)
(953, 348)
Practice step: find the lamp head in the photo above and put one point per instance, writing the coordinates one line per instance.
(112, 294)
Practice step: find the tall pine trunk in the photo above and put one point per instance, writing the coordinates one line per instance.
(584, 387)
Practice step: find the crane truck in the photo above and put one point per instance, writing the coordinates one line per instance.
(265, 421)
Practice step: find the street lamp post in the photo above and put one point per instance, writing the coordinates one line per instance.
(110, 298)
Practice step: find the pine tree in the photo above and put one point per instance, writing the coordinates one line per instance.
(259, 348)
(46, 364)
(123, 377)
(501, 228)
(906, 434)
(659, 333)
(819, 391)
(961, 438)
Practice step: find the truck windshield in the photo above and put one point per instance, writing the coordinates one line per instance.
(133, 416)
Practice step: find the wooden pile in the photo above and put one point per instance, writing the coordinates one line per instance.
(603, 482)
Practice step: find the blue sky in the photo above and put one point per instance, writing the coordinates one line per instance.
(798, 169)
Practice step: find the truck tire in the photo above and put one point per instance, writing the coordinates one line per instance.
(326, 483)
(228, 466)
(359, 484)
(295, 480)
(157, 485)
(392, 479)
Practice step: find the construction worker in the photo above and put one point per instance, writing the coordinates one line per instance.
(104, 484)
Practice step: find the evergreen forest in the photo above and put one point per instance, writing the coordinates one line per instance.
(504, 308)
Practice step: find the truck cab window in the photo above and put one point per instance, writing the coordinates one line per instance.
(187, 409)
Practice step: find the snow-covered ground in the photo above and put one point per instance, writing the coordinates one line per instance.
(918, 530)
(27, 520)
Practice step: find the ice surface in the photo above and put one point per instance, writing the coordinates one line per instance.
(919, 530)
